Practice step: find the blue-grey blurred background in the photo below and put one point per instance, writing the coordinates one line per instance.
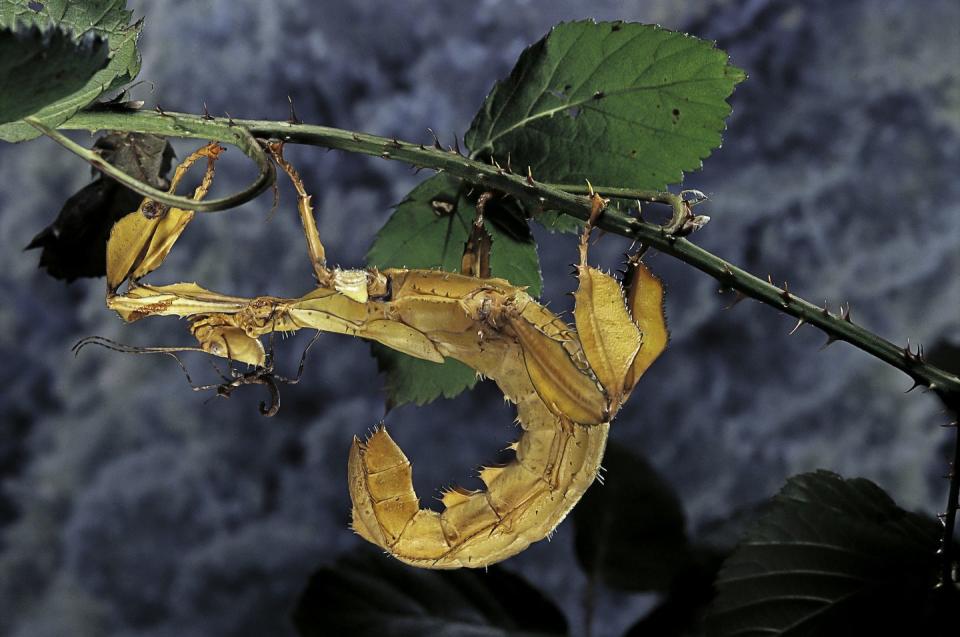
(131, 505)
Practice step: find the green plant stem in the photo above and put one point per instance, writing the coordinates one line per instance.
(238, 137)
(947, 543)
(539, 197)
(679, 206)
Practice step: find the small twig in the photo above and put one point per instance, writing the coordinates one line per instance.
(948, 576)
(243, 140)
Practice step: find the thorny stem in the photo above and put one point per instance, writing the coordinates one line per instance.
(539, 197)
(679, 206)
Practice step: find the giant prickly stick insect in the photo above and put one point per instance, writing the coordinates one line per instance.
(567, 385)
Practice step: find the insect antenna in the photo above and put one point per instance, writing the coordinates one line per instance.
(133, 349)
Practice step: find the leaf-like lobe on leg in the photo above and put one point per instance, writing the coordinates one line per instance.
(609, 337)
(645, 300)
(564, 389)
(141, 241)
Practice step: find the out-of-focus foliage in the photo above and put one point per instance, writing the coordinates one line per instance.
(630, 530)
(106, 19)
(74, 245)
(369, 595)
(39, 68)
(832, 557)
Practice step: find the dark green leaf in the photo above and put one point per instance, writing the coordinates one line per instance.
(373, 595)
(558, 222)
(412, 380)
(74, 245)
(622, 104)
(428, 230)
(630, 530)
(38, 68)
(830, 557)
(107, 19)
(680, 612)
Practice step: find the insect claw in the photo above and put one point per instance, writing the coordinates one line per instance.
(274, 405)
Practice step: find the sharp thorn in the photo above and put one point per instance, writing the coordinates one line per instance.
(436, 140)
(738, 296)
(785, 294)
(830, 341)
(293, 113)
(796, 327)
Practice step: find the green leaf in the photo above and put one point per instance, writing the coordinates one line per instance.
(412, 380)
(555, 221)
(372, 595)
(107, 19)
(622, 104)
(75, 244)
(630, 531)
(830, 557)
(39, 68)
(428, 231)
(680, 612)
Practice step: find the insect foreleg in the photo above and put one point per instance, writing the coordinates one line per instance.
(141, 240)
(318, 256)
